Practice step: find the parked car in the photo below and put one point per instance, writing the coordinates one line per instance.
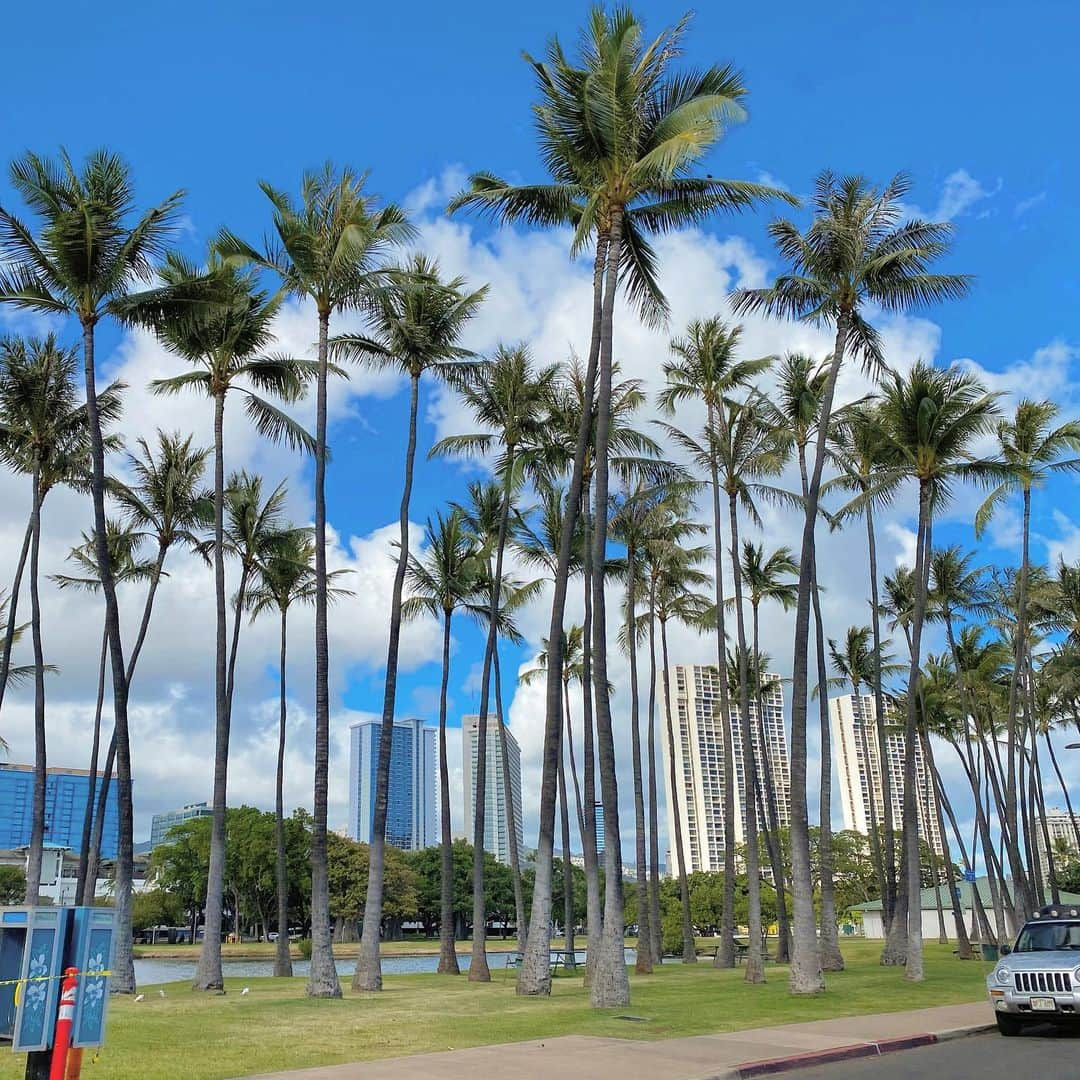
(1037, 979)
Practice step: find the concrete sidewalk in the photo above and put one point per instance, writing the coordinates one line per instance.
(755, 1052)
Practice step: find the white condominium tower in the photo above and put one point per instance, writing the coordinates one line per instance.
(496, 833)
(1062, 830)
(699, 763)
(853, 722)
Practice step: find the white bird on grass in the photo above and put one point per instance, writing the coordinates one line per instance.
(246, 990)
(140, 997)
(161, 993)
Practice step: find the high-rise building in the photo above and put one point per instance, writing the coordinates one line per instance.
(699, 763)
(1062, 830)
(496, 819)
(412, 816)
(163, 822)
(66, 791)
(856, 752)
(598, 813)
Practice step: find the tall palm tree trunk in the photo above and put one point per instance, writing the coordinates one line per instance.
(889, 863)
(725, 953)
(534, 976)
(643, 963)
(282, 960)
(567, 865)
(935, 871)
(654, 813)
(805, 975)
(772, 832)
(208, 974)
(689, 954)
(37, 813)
(448, 961)
(611, 983)
(478, 965)
(91, 788)
(981, 924)
(323, 979)
(831, 957)
(94, 856)
(914, 960)
(512, 814)
(963, 944)
(755, 960)
(123, 978)
(13, 605)
(573, 763)
(593, 900)
(368, 975)
(93, 861)
(1023, 898)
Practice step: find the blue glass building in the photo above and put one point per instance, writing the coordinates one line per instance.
(65, 807)
(411, 816)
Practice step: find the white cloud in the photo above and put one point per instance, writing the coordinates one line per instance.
(960, 193)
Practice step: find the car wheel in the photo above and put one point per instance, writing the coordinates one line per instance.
(1008, 1025)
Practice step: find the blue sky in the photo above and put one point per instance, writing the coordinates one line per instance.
(971, 98)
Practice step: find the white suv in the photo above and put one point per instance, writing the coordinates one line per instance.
(1038, 979)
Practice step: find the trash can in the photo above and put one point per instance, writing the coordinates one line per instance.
(990, 953)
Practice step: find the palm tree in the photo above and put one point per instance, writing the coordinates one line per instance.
(482, 514)
(856, 252)
(764, 581)
(633, 456)
(225, 341)
(634, 523)
(166, 505)
(415, 322)
(861, 452)
(285, 576)
(1031, 450)
(44, 432)
(746, 449)
(444, 580)
(933, 418)
(330, 248)
(794, 409)
(90, 254)
(571, 651)
(706, 369)
(123, 543)
(620, 172)
(675, 598)
(510, 396)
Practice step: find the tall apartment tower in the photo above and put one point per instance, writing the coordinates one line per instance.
(694, 694)
(412, 816)
(1062, 829)
(496, 820)
(857, 756)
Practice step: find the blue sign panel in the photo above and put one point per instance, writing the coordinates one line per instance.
(39, 990)
(969, 876)
(91, 952)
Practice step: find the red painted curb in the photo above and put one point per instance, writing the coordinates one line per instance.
(773, 1066)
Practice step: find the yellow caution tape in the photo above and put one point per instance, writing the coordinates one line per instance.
(48, 978)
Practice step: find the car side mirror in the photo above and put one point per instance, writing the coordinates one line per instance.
(1005, 950)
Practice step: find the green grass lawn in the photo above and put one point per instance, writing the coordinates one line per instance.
(276, 1027)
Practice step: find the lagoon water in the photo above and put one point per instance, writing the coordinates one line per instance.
(152, 972)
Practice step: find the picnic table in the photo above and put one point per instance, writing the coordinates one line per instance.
(564, 958)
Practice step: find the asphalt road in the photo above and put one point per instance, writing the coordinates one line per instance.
(1039, 1052)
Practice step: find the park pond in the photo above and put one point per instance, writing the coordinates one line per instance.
(150, 972)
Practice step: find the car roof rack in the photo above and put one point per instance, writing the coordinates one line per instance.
(1058, 911)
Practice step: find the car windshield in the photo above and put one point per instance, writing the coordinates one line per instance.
(1046, 937)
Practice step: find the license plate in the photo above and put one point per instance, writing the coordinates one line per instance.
(1043, 1004)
